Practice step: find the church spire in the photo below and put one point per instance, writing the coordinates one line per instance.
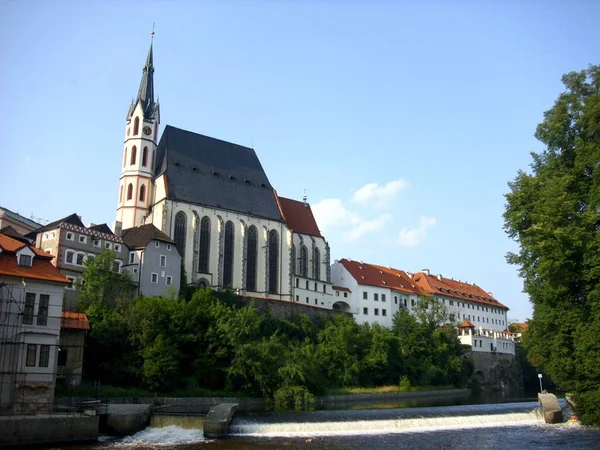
(146, 91)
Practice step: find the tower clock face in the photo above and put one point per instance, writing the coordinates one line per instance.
(147, 130)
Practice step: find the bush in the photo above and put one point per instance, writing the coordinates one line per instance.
(588, 407)
(405, 385)
(294, 398)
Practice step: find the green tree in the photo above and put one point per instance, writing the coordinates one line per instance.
(553, 212)
(102, 283)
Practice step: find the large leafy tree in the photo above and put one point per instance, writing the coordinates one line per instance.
(553, 212)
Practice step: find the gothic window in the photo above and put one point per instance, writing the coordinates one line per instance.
(317, 264)
(204, 251)
(303, 261)
(273, 261)
(293, 259)
(179, 235)
(228, 254)
(133, 155)
(143, 193)
(252, 255)
(125, 157)
(130, 191)
(153, 155)
(136, 126)
(145, 157)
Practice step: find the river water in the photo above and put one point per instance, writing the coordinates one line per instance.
(516, 425)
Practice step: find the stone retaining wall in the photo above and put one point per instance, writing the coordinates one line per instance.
(47, 429)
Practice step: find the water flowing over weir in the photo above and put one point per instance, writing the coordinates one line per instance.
(412, 420)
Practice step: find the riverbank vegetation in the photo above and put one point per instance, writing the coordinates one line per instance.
(212, 343)
(553, 212)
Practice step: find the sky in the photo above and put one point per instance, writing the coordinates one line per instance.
(402, 120)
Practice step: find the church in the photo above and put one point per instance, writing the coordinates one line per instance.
(214, 199)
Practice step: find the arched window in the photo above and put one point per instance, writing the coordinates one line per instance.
(317, 264)
(251, 259)
(136, 126)
(125, 157)
(293, 259)
(303, 261)
(121, 194)
(143, 193)
(273, 261)
(130, 191)
(204, 251)
(133, 155)
(228, 254)
(179, 235)
(145, 157)
(153, 155)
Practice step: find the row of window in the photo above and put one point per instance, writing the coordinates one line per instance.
(32, 355)
(162, 260)
(141, 194)
(43, 305)
(308, 301)
(133, 157)
(302, 267)
(375, 312)
(337, 294)
(82, 239)
(307, 285)
(229, 251)
(154, 279)
(78, 259)
(375, 296)
(485, 319)
(479, 308)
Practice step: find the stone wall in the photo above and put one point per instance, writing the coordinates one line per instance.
(46, 429)
(286, 310)
(498, 370)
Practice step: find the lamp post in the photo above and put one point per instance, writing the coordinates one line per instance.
(540, 377)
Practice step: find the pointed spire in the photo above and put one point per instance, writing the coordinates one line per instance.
(146, 90)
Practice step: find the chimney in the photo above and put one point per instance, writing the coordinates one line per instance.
(426, 271)
(439, 276)
(117, 227)
(304, 198)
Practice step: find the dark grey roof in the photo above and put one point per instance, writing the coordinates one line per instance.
(140, 237)
(207, 171)
(10, 231)
(102, 228)
(146, 90)
(73, 219)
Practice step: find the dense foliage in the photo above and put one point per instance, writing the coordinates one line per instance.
(213, 342)
(554, 214)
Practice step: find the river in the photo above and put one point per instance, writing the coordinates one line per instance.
(515, 425)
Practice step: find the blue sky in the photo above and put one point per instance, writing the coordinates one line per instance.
(403, 120)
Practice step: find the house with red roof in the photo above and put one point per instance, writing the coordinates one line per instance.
(31, 300)
(310, 272)
(378, 292)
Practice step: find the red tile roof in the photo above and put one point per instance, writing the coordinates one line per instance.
(432, 285)
(298, 216)
(380, 276)
(466, 324)
(41, 266)
(74, 320)
(519, 327)
(341, 288)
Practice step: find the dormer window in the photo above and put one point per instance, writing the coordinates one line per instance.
(25, 260)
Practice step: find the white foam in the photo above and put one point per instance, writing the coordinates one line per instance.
(365, 427)
(166, 436)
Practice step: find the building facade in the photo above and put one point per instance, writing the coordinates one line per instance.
(376, 293)
(17, 222)
(153, 262)
(31, 299)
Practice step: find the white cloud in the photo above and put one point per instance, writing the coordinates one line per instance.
(415, 236)
(380, 196)
(365, 227)
(331, 212)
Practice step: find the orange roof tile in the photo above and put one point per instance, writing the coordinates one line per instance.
(519, 327)
(74, 320)
(433, 285)
(41, 266)
(380, 276)
(298, 216)
(466, 324)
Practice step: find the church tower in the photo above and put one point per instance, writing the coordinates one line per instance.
(139, 152)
